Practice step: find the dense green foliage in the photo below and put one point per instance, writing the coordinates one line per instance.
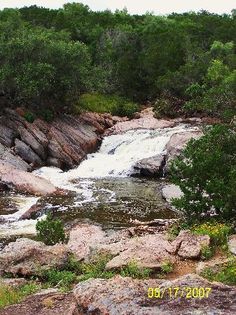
(206, 173)
(184, 63)
(50, 231)
(106, 104)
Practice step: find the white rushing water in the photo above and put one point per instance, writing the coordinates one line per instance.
(116, 158)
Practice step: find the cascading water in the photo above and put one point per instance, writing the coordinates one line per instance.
(117, 155)
(102, 182)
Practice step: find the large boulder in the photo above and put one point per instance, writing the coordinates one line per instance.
(83, 237)
(25, 182)
(177, 143)
(152, 166)
(189, 245)
(27, 257)
(130, 296)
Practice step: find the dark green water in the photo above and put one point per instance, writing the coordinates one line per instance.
(113, 203)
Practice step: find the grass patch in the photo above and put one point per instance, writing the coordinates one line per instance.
(134, 271)
(62, 279)
(9, 295)
(96, 268)
(226, 275)
(100, 103)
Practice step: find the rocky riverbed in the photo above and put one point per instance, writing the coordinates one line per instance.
(108, 207)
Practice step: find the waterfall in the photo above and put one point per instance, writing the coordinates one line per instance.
(115, 159)
(117, 155)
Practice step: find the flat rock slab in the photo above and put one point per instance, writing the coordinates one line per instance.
(27, 257)
(144, 122)
(123, 296)
(44, 304)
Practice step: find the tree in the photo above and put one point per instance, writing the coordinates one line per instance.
(42, 68)
(206, 173)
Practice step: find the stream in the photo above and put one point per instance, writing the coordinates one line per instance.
(105, 189)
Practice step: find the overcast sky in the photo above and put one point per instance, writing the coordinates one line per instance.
(135, 6)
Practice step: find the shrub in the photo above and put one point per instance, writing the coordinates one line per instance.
(206, 173)
(95, 268)
(63, 278)
(47, 115)
(227, 274)
(50, 231)
(167, 267)
(207, 252)
(29, 117)
(112, 104)
(218, 232)
(132, 270)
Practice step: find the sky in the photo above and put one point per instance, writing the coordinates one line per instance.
(135, 7)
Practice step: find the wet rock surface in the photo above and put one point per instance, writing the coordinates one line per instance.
(25, 182)
(63, 143)
(128, 296)
(27, 257)
(152, 166)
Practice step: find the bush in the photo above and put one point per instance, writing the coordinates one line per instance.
(206, 173)
(218, 232)
(207, 252)
(29, 117)
(112, 104)
(50, 231)
(168, 106)
(167, 267)
(227, 274)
